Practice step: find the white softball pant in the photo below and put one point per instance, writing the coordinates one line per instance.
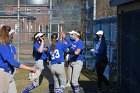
(7, 84)
(59, 75)
(45, 72)
(75, 68)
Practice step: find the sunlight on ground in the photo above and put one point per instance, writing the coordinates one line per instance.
(22, 82)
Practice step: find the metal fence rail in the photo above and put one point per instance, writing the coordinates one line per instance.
(46, 16)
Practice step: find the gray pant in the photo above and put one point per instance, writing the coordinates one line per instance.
(39, 64)
(7, 83)
(59, 75)
(46, 72)
(74, 71)
(12, 86)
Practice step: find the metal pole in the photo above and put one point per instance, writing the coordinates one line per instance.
(49, 36)
(61, 28)
(94, 12)
(58, 30)
(35, 26)
(18, 30)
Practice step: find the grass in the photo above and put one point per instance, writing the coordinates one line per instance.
(22, 82)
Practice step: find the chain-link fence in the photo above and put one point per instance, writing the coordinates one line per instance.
(45, 16)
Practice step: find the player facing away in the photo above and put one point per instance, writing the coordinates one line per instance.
(56, 55)
(76, 57)
(39, 53)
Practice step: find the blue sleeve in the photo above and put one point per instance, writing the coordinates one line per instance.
(14, 63)
(80, 45)
(45, 45)
(65, 46)
(48, 53)
(49, 49)
(7, 58)
(100, 48)
(36, 46)
(68, 42)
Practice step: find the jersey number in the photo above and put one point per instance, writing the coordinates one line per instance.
(55, 54)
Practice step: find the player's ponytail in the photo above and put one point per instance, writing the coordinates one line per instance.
(81, 34)
(54, 38)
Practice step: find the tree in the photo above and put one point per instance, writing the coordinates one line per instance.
(103, 9)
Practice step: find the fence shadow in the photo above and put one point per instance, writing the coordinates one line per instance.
(88, 86)
(91, 86)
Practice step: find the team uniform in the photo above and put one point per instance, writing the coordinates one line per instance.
(57, 66)
(41, 63)
(76, 63)
(7, 63)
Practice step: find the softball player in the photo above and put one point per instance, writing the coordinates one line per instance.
(39, 53)
(7, 84)
(56, 54)
(76, 57)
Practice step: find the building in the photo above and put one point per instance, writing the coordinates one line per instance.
(39, 15)
(128, 18)
(33, 18)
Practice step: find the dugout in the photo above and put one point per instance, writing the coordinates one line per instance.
(128, 24)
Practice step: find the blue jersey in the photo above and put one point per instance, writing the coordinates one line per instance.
(73, 47)
(6, 58)
(13, 49)
(100, 52)
(39, 56)
(57, 56)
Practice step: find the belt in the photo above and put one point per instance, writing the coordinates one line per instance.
(75, 60)
(39, 60)
(56, 63)
(6, 70)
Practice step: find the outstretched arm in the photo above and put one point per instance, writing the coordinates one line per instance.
(22, 66)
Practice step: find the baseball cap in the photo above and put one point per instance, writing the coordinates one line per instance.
(74, 32)
(100, 32)
(39, 35)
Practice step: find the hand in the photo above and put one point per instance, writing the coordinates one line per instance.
(92, 50)
(32, 76)
(34, 69)
(63, 34)
(41, 39)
